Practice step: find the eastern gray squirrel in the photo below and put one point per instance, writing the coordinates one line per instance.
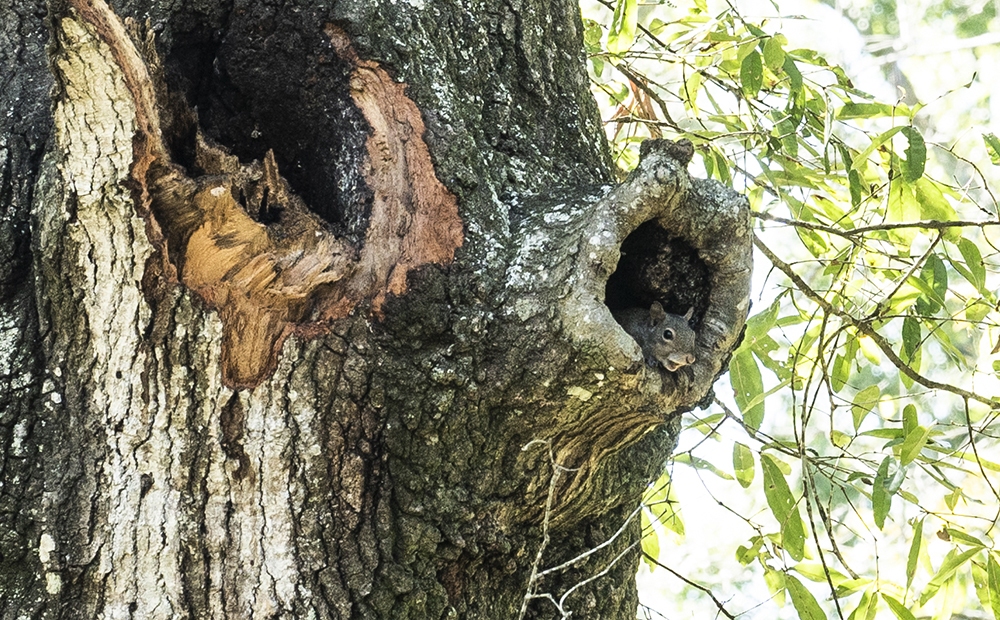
(665, 339)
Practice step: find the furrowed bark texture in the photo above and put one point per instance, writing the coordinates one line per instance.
(310, 315)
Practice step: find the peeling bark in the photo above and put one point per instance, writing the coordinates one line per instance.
(319, 349)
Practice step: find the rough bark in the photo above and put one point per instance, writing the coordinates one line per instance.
(312, 316)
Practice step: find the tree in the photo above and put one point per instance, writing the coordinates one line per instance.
(307, 313)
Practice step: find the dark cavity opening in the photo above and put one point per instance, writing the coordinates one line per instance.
(655, 266)
(271, 80)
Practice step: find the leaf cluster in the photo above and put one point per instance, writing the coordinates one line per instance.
(864, 396)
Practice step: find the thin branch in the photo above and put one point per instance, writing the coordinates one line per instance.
(979, 462)
(855, 232)
(533, 578)
(866, 329)
(594, 550)
(910, 272)
(640, 81)
(693, 584)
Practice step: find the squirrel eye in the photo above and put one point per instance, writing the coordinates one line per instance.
(668, 335)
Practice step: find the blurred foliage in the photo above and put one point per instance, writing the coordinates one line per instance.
(865, 399)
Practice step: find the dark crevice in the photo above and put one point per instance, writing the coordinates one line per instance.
(271, 81)
(655, 266)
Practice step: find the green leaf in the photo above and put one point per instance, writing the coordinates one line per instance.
(933, 283)
(963, 538)
(699, 463)
(866, 608)
(751, 74)
(745, 554)
(881, 498)
(774, 55)
(993, 148)
(660, 502)
(910, 419)
(744, 375)
(974, 263)
(951, 563)
(861, 159)
(914, 554)
(794, 76)
(902, 206)
(913, 444)
(951, 499)
(783, 506)
(856, 187)
(864, 402)
(934, 206)
(803, 600)
(898, 609)
(743, 464)
(623, 26)
(650, 542)
(864, 110)
(592, 34)
(916, 154)
(993, 583)
(775, 581)
(911, 337)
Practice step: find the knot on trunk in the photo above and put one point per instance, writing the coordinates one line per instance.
(660, 236)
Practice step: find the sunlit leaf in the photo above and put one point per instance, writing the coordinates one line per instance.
(783, 506)
(751, 74)
(864, 110)
(864, 402)
(916, 154)
(623, 26)
(934, 206)
(914, 554)
(775, 581)
(650, 542)
(881, 498)
(744, 375)
(993, 583)
(993, 148)
(913, 444)
(867, 607)
(774, 55)
(861, 159)
(803, 600)
(951, 563)
(743, 464)
(897, 608)
(911, 337)
(974, 263)
(702, 464)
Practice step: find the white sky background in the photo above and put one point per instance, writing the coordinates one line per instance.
(956, 79)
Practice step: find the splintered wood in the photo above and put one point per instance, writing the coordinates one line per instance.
(249, 247)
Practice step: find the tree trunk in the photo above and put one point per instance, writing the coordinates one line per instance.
(309, 315)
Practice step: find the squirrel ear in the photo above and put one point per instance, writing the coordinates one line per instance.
(656, 313)
(689, 314)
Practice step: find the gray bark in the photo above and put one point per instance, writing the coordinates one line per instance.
(391, 460)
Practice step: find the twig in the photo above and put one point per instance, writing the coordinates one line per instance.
(693, 584)
(867, 330)
(982, 470)
(533, 578)
(861, 230)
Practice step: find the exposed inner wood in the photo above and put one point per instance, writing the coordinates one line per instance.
(290, 274)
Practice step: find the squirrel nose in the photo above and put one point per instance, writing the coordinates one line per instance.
(689, 359)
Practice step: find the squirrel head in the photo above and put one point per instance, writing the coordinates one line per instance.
(668, 338)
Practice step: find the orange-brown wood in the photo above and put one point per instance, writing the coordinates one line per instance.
(292, 275)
